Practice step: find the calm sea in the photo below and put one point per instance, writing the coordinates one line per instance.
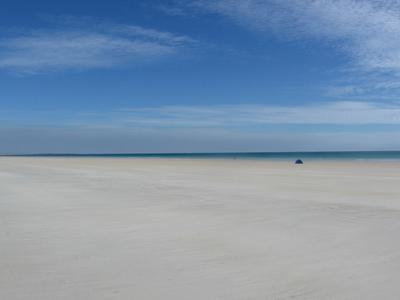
(348, 155)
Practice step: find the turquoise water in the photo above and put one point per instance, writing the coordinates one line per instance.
(348, 155)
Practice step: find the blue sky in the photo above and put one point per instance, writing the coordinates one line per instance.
(184, 76)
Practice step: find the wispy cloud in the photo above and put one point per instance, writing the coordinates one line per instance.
(86, 45)
(366, 32)
(247, 116)
(171, 10)
(368, 29)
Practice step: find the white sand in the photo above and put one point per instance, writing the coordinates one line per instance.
(198, 229)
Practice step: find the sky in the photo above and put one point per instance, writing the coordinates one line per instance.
(130, 76)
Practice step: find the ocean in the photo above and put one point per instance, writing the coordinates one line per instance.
(334, 155)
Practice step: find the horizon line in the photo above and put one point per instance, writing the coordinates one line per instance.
(194, 153)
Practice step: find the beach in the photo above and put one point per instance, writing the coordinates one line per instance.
(154, 228)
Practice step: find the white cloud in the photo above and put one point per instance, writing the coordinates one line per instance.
(243, 116)
(86, 46)
(367, 30)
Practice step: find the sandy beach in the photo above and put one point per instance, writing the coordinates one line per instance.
(101, 228)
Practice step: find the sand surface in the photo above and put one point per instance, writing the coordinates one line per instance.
(85, 228)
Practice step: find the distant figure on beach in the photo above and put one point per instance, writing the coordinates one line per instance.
(299, 162)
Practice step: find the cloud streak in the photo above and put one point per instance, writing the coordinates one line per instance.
(247, 116)
(86, 46)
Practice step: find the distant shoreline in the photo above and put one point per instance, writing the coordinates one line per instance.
(312, 155)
